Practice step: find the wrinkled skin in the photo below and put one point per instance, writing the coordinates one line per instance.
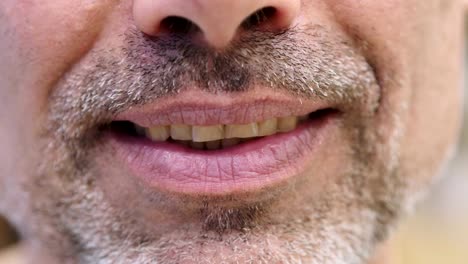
(72, 202)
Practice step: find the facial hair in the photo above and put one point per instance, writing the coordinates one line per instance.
(342, 224)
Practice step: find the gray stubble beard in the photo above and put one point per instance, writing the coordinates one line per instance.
(343, 226)
(344, 223)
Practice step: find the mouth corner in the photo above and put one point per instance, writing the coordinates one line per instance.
(220, 149)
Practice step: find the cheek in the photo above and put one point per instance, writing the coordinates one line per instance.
(415, 49)
(48, 38)
(39, 42)
(435, 107)
(384, 31)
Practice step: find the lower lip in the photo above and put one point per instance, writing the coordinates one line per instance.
(248, 167)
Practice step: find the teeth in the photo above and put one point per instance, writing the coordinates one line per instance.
(267, 127)
(220, 136)
(158, 133)
(181, 132)
(213, 145)
(207, 133)
(286, 124)
(184, 142)
(241, 131)
(229, 142)
(197, 145)
(303, 118)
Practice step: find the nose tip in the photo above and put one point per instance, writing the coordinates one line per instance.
(216, 21)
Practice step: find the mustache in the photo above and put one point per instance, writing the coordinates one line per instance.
(308, 62)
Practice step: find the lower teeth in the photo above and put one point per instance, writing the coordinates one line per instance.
(211, 145)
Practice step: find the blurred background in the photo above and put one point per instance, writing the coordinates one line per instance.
(436, 234)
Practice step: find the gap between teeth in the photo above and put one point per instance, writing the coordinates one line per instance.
(216, 136)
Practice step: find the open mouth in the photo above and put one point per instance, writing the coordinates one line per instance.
(220, 145)
(220, 136)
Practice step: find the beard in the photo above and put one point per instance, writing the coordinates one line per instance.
(74, 218)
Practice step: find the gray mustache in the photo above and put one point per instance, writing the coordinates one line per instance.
(307, 62)
(278, 60)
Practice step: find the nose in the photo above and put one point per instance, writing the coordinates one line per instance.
(216, 21)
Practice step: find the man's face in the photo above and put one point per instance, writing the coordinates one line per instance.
(190, 131)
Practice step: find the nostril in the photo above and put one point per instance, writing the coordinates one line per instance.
(264, 18)
(214, 23)
(178, 25)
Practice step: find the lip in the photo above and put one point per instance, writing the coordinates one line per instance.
(196, 107)
(249, 167)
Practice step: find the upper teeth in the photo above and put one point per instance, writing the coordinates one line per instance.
(228, 133)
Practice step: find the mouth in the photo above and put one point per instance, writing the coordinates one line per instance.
(214, 137)
(214, 148)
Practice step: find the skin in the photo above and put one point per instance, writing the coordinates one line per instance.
(72, 203)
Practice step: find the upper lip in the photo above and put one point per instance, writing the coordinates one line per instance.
(245, 168)
(194, 108)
